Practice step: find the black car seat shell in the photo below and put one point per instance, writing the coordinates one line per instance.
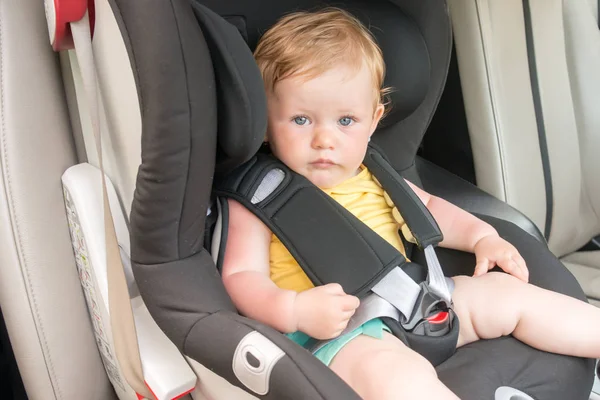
(181, 98)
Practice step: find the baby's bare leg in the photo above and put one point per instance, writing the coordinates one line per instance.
(497, 304)
(388, 370)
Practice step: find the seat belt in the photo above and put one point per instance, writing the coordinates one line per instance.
(121, 314)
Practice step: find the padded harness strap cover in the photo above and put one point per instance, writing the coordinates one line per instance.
(301, 215)
(418, 218)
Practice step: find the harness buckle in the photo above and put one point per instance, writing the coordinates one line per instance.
(431, 315)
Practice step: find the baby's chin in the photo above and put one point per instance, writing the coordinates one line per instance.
(325, 179)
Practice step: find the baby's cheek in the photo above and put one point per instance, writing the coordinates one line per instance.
(359, 154)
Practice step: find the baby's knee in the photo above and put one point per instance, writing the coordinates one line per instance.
(487, 284)
(488, 306)
(502, 282)
(485, 290)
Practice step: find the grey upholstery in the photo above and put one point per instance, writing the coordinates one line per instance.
(40, 295)
(492, 52)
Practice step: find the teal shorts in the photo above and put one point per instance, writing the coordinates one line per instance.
(373, 328)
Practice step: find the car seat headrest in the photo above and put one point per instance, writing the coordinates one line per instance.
(240, 93)
(406, 59)
(241, 100)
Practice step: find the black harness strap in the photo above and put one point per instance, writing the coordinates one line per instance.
(418, 218)
(330, 244)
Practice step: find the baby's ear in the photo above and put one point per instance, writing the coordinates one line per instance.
(377, 116)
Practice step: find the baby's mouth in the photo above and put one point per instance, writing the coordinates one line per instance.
(322, 163)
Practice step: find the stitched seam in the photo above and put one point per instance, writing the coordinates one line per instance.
(189, 155)
(187, 335)
(493, 103)
(539, 118)
(17, 231)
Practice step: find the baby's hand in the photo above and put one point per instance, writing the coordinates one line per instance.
(323, 312)
(492, 250)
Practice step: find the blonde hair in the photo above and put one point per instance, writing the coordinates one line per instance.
(308, 44)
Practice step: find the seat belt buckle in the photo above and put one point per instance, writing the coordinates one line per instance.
(432, 315)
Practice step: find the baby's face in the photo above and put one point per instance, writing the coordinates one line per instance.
(320, 127)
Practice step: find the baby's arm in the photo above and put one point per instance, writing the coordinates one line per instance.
(463, 231)
(246, 272)
(322, 312)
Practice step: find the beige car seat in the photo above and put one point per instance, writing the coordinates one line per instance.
(529, 75)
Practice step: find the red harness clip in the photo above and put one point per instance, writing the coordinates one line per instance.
(439, 318)
(59, 14)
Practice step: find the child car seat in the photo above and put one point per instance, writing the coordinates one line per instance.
(203, 106)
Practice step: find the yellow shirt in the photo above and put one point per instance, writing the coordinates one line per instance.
(364, 197)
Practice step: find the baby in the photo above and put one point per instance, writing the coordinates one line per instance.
(323, 76)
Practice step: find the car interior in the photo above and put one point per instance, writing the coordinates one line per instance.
(495, 111)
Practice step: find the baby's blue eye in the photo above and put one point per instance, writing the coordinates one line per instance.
(346, 121)
(300, 120)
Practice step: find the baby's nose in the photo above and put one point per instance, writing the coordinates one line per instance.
(323, 139)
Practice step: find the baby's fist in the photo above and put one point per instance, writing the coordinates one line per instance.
(323, 312)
